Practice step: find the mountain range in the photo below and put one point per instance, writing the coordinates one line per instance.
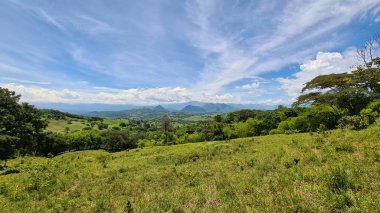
(193, 107)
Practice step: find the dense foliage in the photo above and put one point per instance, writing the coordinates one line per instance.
(21, 125)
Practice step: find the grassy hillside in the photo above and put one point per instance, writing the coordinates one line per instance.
(61, 125)
(338, 171)
(74, 125)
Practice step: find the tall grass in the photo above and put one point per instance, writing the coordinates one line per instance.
(329, 172)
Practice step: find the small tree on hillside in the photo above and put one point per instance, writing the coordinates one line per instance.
(166, 123)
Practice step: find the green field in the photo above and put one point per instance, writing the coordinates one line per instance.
(73, 125)
(326, 172)
(61, 125)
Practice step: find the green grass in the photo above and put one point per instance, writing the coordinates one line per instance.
(331, 172)
(200, 117)
(60, 125)
(78, 124)
(115, 122)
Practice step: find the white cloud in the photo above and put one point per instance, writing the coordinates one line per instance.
(103, 95)
(254, 85)
(325, 63)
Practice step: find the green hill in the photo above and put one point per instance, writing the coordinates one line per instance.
(193, 109)
(327, 172)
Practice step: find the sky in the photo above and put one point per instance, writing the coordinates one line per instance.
(150, 52)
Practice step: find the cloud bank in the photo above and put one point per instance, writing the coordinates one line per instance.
(150, 96)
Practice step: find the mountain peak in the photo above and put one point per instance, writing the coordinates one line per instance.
(160, 108)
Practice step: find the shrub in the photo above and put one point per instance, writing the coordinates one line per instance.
(11, 171)
(141, 143)
(368, 115)
(123, 124)
(87, 128)
(102, 126)
(276, 131)
(115, 140)
(53, 143)
(354, 122)
(374, 106)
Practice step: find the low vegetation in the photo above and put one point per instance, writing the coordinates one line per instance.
(320, 172)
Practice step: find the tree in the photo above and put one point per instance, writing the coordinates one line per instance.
(368, 78)
(7, 147)
(102, 126)
(368, 74)
(340, 91)
(348, 91)
(118, 140)
(218, 118)
(20, 121)
(166, 123)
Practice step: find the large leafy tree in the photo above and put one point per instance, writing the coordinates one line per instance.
(340, 91)
(21, 124)
(347, 91)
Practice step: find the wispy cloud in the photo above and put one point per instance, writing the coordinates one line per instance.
(25, 81)
(287, 39)
(49, 19)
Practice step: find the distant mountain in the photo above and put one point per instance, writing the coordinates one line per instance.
(254, 106)
(218, 108)
(85, 108)
(209, 108)
(160, 108)
(89, 108)
(193, 109)
(180, 106)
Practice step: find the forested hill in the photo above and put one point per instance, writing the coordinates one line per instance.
(58, 115)
(156, 113)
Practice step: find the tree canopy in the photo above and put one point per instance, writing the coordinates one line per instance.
(21, 124)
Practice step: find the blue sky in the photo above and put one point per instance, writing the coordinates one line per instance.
(161, 51)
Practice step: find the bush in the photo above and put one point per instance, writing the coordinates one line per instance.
(116, 128)
(276, 131)
(374, 106)
(141, 143)
(368, 115)
(87, 128)
(102, 126)
(354, 122)
(115, 140)
(123, 124)
(52, 143)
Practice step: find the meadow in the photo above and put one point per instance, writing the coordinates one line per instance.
(74, 125)
(330, 171)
